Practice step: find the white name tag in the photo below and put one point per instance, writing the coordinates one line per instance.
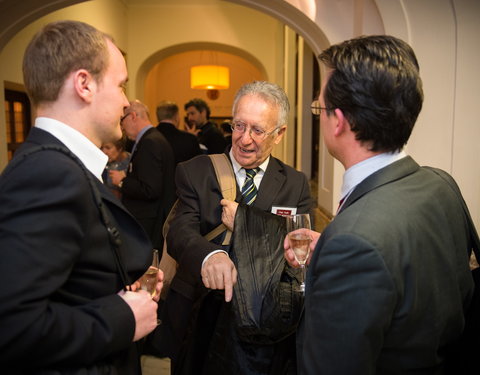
(284, 211)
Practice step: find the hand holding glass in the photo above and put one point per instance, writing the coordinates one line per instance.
(149, 280)
(299, 241)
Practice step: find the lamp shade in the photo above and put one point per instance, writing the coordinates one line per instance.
(209, 77)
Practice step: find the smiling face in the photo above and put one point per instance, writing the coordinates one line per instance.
(253, 110)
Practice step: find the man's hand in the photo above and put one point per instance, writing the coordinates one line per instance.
(229, 210)
(219, 272)
(144, 310)
(290, 255)
(117, 176)
(158, 287)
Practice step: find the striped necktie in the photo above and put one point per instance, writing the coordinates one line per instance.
(249, 190)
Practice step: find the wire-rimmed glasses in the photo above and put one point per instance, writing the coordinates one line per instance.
(256, 132)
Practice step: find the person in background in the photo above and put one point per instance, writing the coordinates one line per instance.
(118, 160)
(70, 251)
(260, 113)
(184, 145)
(209, 136)
(147, 187)
(226, 128)
(388, 283)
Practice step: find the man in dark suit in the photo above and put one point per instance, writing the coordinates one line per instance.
(184, 145)
(67, 245)
(388, 283)
(260, 112)
(147, 188)
(209, 137)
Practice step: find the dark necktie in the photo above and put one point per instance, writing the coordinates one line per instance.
(249, 190)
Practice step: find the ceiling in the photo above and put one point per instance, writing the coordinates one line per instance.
(15, 15)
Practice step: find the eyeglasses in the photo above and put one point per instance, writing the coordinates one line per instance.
(317, 109)
(124, 116)
(254, 131)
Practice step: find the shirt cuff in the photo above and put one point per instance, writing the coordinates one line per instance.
(213, 253)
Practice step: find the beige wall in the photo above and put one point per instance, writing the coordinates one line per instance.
(169, 79)
(107, 15)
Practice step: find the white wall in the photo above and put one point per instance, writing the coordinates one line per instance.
(444, 35)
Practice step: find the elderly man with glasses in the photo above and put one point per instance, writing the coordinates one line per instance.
(265, 186)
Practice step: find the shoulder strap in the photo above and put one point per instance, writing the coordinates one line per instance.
(473, 232)
(228, 186)
(113, 233)
(225, 176)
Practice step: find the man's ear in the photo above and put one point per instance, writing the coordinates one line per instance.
(280, 134)
(342, 122)
(84, 84)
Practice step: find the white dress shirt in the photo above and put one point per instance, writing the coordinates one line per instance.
(90, 155)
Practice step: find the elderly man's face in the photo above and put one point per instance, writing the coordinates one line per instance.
(253, 111)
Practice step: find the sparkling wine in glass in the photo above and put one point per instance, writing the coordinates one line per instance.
(148, 281)
(299, 240)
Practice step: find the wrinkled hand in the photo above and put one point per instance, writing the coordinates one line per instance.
(288, 252)
(219, 272)
(116, 176)
(144, 310)
(229, 209)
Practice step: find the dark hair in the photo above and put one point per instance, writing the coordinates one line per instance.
(199, 104)
(226, 127)
(166, 110)
(375, 82)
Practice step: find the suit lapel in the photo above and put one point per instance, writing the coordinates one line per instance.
(390, 173)
(272, 183)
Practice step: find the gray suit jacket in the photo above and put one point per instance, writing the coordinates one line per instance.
(389, 281)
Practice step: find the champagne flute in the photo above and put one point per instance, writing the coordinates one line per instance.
(299, 241)
(148, 281)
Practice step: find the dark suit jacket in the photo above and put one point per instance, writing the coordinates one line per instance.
(148, 191)
(184, 145)
(198, 212)
(59, 306)
(212, 138)
(389, 281)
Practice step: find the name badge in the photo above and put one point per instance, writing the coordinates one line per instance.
(284, 211)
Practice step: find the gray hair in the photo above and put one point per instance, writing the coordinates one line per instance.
(271, 93)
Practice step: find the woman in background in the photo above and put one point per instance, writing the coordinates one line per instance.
(118, 159)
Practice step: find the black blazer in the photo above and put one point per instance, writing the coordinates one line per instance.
(199, 211)
(60, 309)
(389, 280)
(148, 191)
(184, 145)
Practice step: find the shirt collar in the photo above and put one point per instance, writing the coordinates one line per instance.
(142, 132)
(360, 171)
(90, 155)
(237, 168)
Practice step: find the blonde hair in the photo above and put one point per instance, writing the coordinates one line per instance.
(59, 49)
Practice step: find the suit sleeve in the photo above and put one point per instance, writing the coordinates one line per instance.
(349, 307)
(45, 214)
(198, 212)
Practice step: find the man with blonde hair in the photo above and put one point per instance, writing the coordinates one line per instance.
(70, 251)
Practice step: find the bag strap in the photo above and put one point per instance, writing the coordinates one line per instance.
(228, 187)
(113, 233)
(472, 230)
